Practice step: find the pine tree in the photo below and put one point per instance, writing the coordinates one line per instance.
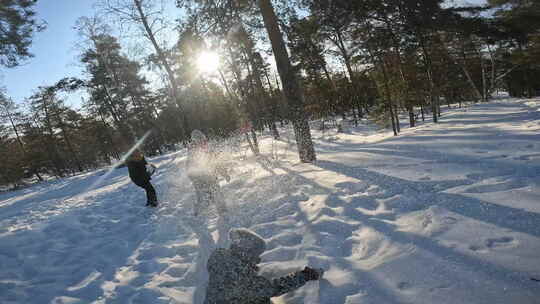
(17, 27)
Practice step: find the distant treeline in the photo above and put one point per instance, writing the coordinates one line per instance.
(362, 58)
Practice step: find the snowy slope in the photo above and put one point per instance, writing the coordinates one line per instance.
(441, 214)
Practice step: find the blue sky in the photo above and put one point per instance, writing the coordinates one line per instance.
(55, 56)
(54, 49)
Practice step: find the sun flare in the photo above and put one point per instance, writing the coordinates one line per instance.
(208, 62)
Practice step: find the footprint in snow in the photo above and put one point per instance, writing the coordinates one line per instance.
(449, 220)
(528, 157)
(439, 287)
(502, 242)
(176, 271)
(497, 187)
(365, 203)
(156, 252)
(495, 243)
(404, 285)
(477, 248)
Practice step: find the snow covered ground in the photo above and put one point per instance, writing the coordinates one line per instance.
(446, 213)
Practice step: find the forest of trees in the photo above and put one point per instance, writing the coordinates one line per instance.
(372, 59)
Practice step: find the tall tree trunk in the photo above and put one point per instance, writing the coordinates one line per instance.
(396, 113)
(70, 148)
(56, 158)
(463, 67)
(244, 106)
(389, 96)
(393, 118)
(493, 72)
(328, 77)
(21, 145)
(291, 86)
(165, 63)
(411, 116)
(429, 66)
(434, 109)
(263, 95)
(359, 108)
(125, 130)
(116, 151)
(255, 141)
(484, 80)
(355, 116)
(338, 42)
(274, 109)
(232, 96)
(471, 82)
(253, 146)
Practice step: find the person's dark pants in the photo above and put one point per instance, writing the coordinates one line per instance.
(151, 196)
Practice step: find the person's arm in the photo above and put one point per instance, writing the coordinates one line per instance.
(259, 287)
(288, 283)
(295, 280)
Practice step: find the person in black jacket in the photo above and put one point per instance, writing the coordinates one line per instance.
(136, 164)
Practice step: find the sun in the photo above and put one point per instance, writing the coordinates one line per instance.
(208, 62)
